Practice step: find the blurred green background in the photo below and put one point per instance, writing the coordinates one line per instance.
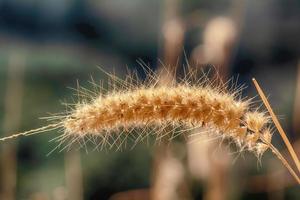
(47, 46)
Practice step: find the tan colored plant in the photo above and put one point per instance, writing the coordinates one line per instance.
(191, 103)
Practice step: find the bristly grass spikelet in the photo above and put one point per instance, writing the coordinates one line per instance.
(187, 104)
(132, 109)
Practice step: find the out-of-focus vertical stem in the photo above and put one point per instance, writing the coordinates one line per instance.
(172, 46)
(168, 180)
(219, 39)
(11, 123)
(73, 175)
(296, 117)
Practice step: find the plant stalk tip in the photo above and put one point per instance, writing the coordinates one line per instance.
(277, 124)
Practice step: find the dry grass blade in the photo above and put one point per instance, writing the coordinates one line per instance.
(277, 124)
(33, 131)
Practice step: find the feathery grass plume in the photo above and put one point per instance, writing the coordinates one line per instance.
(131, 108)
(187, 104)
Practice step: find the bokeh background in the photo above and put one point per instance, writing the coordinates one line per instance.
(47, 46)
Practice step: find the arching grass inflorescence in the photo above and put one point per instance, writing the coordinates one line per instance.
(135, 106)
(132, 109)
(190, 103)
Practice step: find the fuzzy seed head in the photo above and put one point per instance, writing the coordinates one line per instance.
(183, 104)
(255, 120)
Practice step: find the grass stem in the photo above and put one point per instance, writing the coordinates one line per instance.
(277, 124)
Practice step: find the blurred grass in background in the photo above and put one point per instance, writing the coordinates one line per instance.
(60, 42)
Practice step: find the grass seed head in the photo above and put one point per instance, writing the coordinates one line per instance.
(132, 104)
(183, 104)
